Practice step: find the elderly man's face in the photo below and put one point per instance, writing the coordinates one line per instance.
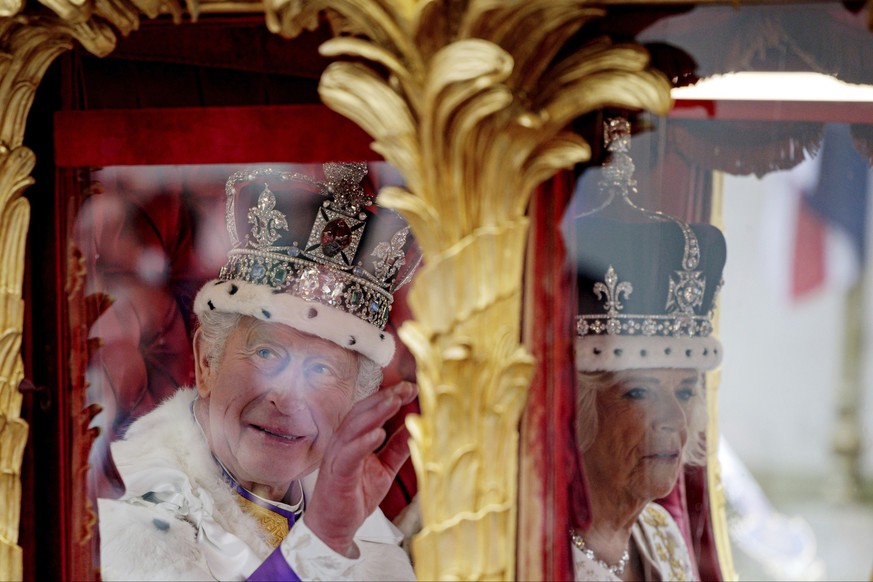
(643, 427)
(273, 403)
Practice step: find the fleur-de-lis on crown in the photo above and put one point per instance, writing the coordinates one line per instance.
(613, 290)
(266, 220)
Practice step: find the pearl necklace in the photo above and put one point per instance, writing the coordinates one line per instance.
(618, 569)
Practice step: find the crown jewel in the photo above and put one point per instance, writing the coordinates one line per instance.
(686, 286)
(323, 269)
(343, 182)
(266, 219)
(618, 171)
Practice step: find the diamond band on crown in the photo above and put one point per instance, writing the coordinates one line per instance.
(645, 325)
(299, 277)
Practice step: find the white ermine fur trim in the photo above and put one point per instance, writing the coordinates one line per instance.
(261, 302)
(612, 353)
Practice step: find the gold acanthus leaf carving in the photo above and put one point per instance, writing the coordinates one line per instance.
(27, 46)
(94, 22)
(14, 217)
(474, 142)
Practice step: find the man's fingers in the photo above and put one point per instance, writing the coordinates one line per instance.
(362, 420)
(406, 391)
(347, 458)
(376, 409)
(361, 431)
(373, 399)
(396, 450)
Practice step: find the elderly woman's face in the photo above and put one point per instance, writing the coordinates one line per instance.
(643, 427)
(274, 402)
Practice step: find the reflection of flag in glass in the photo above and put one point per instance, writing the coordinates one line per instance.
(832, 216)
(829, 241)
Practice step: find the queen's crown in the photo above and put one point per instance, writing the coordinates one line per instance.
(650, 276)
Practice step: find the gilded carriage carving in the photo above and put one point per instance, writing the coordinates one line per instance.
(28, 49)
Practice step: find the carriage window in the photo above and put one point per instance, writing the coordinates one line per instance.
(785, 175)
(145, 240)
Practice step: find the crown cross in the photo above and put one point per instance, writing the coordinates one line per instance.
(613, 290)
(266, 219)
(339, 223)
(343, 183)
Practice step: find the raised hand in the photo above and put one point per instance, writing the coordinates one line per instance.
(353, 479)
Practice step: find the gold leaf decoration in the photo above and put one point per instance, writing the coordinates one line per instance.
(26, 50)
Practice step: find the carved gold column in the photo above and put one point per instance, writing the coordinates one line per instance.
(27, 50)
(464, 100)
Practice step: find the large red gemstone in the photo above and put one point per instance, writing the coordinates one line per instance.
(335, 236)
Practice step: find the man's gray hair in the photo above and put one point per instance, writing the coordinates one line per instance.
(588, 384)
(215, 328)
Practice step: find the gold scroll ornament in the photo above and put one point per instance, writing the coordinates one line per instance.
(26, 52)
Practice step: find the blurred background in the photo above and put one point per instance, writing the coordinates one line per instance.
(796, 404)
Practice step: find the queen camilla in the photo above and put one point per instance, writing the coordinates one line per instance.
(646, 294)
